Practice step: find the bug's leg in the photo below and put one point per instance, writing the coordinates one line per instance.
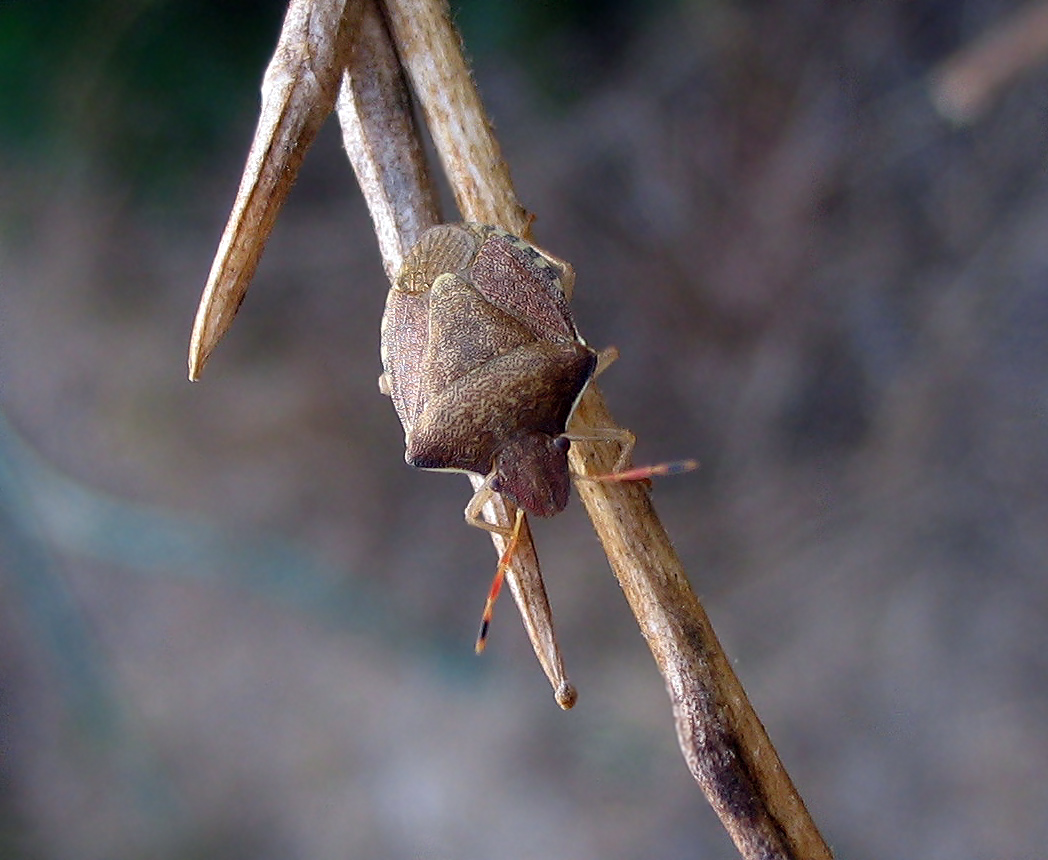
(607, 434)
(628, 440)
(605, 358)
(496, 582)
(474, 516)
(475, 509)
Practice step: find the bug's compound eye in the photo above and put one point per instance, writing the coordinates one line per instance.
(561, 443)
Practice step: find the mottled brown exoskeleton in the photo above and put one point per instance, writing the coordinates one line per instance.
(484, 364)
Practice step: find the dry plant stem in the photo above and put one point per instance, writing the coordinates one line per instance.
(723, 741)
(431, 50)
(298, 93)
(524, 579)
(380, 137)
(965, 85)
(383, 145)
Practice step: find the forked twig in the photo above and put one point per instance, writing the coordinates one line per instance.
(328, 47)
(723, 741)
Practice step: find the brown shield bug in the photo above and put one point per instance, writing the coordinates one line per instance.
(484, 365)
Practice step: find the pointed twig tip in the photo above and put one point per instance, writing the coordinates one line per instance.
(198, 354)
(566, 695)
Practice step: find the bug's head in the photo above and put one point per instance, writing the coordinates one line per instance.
(532, 471)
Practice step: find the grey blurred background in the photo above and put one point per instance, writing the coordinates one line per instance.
(233, 624)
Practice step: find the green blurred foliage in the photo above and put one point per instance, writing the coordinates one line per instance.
(146, 90)
(565, 48)
(142, 88)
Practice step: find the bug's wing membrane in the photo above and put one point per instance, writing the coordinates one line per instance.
(501, 269)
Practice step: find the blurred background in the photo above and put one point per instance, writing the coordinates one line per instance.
(234, 624)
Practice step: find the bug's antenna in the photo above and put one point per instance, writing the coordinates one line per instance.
(496, 583)
(642, 473)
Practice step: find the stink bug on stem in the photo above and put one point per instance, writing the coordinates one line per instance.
(485, 366)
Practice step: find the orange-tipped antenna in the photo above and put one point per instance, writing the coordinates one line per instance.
(496, 583)
(642, 473)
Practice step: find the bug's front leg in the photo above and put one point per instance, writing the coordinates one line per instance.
(623, 437)
(627, 440)
(475, 509)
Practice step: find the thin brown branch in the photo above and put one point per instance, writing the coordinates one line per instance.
(322, 48)
(382, 142)
(431, 50)
(721, 737)
(966, 84)
(723, 741)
